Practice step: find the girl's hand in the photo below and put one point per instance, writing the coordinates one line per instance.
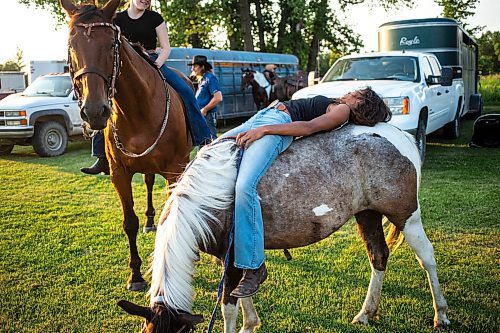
(245, 139)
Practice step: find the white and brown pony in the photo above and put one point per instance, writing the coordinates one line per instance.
(309, 192)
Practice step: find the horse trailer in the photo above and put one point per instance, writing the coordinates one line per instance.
(445, 38)
(227, 67)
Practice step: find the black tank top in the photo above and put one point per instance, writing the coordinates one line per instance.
(306, 109)
(141, 30)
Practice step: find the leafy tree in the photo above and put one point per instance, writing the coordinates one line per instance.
(16, 64)
(460, 10)
(489, 52)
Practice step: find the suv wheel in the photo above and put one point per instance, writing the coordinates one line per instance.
(420, 138)
(50, 139)
(6, 149)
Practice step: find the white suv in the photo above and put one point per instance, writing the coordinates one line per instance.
(44, 115)
(422, 96)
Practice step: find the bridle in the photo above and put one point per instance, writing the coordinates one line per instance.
(110, 81)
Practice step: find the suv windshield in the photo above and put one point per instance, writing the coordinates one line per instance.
(374, 68)
(54, 86)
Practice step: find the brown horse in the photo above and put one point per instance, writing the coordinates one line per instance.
(142, 117)
(309, 192)
(259, 93)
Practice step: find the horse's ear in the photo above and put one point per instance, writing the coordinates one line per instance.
(190, 319)
(68, 6)
(110, 7)
(136, 310)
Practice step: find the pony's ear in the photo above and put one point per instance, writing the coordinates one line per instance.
(136, 310)
(68, 6)
(190, 319)
(110, 7)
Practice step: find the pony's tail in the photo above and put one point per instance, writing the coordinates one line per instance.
(394, 237)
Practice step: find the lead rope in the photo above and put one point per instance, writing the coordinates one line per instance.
(230, 243)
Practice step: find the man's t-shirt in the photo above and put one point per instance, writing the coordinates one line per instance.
(141, 30)
(208, 86)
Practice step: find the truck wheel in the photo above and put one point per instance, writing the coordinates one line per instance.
(6, 149)
(50, 139)
(420, 138)
(452, 129)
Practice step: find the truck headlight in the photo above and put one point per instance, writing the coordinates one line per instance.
(398, 105)
(21, 113)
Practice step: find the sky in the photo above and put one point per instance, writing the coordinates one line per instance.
(36, 33)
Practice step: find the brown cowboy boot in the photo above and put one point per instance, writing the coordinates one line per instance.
(250, 282)
(101, 165)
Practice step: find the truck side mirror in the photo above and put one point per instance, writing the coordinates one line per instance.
(446, 79)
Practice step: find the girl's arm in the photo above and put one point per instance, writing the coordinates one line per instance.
(161, 33)
(337, 115)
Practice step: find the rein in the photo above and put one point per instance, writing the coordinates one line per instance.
(111, 82)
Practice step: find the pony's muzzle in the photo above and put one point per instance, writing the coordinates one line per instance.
(95, 114)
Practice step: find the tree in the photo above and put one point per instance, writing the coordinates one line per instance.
(460, 10)
(16, 64)
(489, 52)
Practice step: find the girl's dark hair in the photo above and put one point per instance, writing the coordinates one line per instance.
(370, 110)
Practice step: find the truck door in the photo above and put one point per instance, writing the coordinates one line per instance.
(441, 97)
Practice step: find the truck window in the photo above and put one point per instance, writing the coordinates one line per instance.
(55, 86)
(374, 68)
(426, 67)
(436, 68)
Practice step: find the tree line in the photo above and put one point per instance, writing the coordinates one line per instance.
(309, 29)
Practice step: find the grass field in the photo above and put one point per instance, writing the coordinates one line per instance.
(489, 87)
(63, 254)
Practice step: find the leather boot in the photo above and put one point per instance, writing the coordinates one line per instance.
(101, 165)
(250, 282)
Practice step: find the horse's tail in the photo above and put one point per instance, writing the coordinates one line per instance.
(394, 237)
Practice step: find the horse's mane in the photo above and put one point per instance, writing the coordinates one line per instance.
(142, 52)
(84, 13)
(205, 187)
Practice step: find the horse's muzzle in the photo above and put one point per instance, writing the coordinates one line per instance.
(95, 114)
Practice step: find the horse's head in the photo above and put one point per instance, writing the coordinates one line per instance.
(160, 319)
(246, 79)
(94, 58)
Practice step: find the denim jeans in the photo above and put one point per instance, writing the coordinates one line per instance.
(98, 145)
(199, 129)
(212, 122)
(249, 228)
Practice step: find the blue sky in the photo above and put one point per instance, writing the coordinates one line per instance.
(43, 40)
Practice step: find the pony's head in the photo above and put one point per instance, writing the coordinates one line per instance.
(93, 57)
(246, 79)
(160, 319)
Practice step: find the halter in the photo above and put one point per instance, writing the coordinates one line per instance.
(111, 81)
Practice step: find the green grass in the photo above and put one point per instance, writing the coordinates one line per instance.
(489, 87)
(63, 254)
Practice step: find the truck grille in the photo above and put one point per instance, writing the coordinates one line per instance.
(2, 122)
(2, 114)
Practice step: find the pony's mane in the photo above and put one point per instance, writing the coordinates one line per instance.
(205, 187)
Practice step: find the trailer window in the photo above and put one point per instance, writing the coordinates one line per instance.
(374, 68)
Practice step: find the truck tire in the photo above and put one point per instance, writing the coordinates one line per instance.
(6, 149)
(452, 129)
(50, 139)
(420, 137)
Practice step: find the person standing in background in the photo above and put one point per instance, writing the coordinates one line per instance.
(208, 94)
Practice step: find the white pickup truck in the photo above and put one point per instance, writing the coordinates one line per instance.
(44, 115)
(422, 96)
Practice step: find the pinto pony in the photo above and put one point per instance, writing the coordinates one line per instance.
(365, 172)
(143, 118)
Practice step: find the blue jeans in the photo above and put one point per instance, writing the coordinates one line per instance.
(249, 228)
(212, 122)
(200, 132)
(98, 145)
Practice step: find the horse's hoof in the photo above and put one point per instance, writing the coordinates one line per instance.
(360, 319)
(441, 323)
(137, 286)
(149, 229)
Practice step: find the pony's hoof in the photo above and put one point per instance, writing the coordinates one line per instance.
(137, 286)
(149, 229)
(441, 323)
(360, 319)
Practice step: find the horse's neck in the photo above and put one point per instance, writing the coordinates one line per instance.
(138, 89)
(255, 85)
